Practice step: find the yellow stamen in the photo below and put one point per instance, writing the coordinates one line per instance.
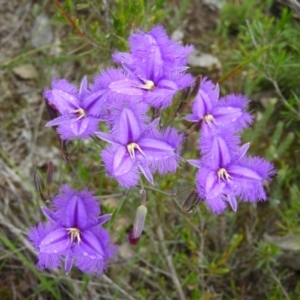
(209, 119)
(74, 234)
(148, 85)
(80, 112)
(222, 174)
(131, 147)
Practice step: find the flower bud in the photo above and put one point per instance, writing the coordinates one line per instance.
(191, 201)
(39, 184)
(49, 178)
(138, 225)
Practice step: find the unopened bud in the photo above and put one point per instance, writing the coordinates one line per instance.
(138, 225)
(189, 95)
(195, 90)
(39, 184)
(191, 201)
(49, 178)
(52, 111)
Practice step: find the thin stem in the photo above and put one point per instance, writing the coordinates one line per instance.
(117, 287)
(110, 196)
(284, 292)
(170, 264)
(117, 210)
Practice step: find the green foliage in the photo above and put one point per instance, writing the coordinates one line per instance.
(212, 257)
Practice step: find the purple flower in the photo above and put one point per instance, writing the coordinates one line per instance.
(223, 143)
(231, 176)
(214, 113)
(73, 234)
(113, 84)
(80, 110)
(154, 70)
(137, 147)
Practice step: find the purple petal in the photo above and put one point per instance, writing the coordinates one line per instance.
(64, 102)
(126, 87)
(76, 214)
(159, 97)
(59, 120)
(147, 173)
(167, 85)
(101, 220)
(90, 245)
(242, 151)
(132, 112)
(79, 126)
(94, 103)
(205, 101)
(232, 110)
(92, 255)
(209, 187)
(48, 213)
(247, 178)
(83, 86)
(161, 150)
(195, 162)
(114, 157)
(116, 82)
(220, 148)
(55, 242)
(232, 201)
(129, 127)
(152, 145)
(62, 96)
(226, 115)
(244, 172)
(76, 208)
(106, 137)
(68, 263)
(216, 205)
(82, 128)
(122, 162)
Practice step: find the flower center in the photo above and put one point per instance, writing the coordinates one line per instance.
(148, 85)
(222, 174)
(80, 112)
(209, 119)
(74, 234)
(131, 149)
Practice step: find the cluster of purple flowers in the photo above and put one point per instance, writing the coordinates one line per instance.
(225, 172)
(149, 76)
(73, 234)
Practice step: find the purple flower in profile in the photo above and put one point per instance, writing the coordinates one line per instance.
(80, 110)
(229, 176)
(215, 113)
(73, 234)
(154, 70)
(137, 147)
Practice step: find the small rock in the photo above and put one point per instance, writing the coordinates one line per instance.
(41, 33)
(26, 71)
(287, 242)
(125, 251)
(214, 4)
(177, 35)
(203, 60)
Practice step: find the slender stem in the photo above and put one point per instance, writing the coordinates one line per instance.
(69, 19)
(110, 196)
(170, 264)
(117, 210)
(284, 292)
(117, 287)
